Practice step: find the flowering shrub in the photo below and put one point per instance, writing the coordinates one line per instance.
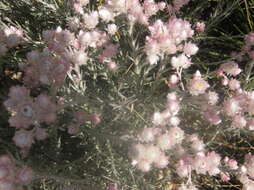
(91, 96)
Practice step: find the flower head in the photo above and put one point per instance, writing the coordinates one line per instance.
(197, 85)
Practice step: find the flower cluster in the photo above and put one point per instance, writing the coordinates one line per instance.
(27, 112)
(246, 176)
(156, 140)
(13, 177)
(91, 39)
(248, 47)
(42, 68)
(167, 38)
(10, 37)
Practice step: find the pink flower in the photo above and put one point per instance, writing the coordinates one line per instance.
(7, 172)
(151, 153)
(231, 163)
(224, 81)
(200, 163)
(190, 49)
(230, 68)
(172, 107)
(197, 85)
(212, 116)
(249, 39)
(112, 29)
(196, 144)
(234, 84)
(24, 175)
(148, 134)
(164, 142)
(6, 159)
(95, 118)
(73, 129)
(174, 121)
(144, 165)
(109, 52)
(64, 37)
(251, 124)
(180, 61)
(119, 5)
(112, 66)
(79, 57)
(22, 105)
(23, 138)
(224, 177)
(46, 109)
(213, 160)
(14, 36)
(182, 168)
(106, 14)
(91, 20)
(249, 164)
(232, 107)
(112, 187)
(180, 30)
(161, 5)
(40, 134)
(173, 80)
(239, 121)
(179, 3)
(78, 8)
(162, 161)
(200, 27)
(176, 135)
(158, 119)
(150, 7)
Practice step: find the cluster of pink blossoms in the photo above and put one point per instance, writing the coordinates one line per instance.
(156, 140)
(247, 173)
(249, 43)
(27, 112)
(168, 39)
(133, 8)
(202, 163)
(13, 177)
(10, 37)
(239, 108)
(42, 68)
(166, 140)
(72, 49)
(136, 11)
